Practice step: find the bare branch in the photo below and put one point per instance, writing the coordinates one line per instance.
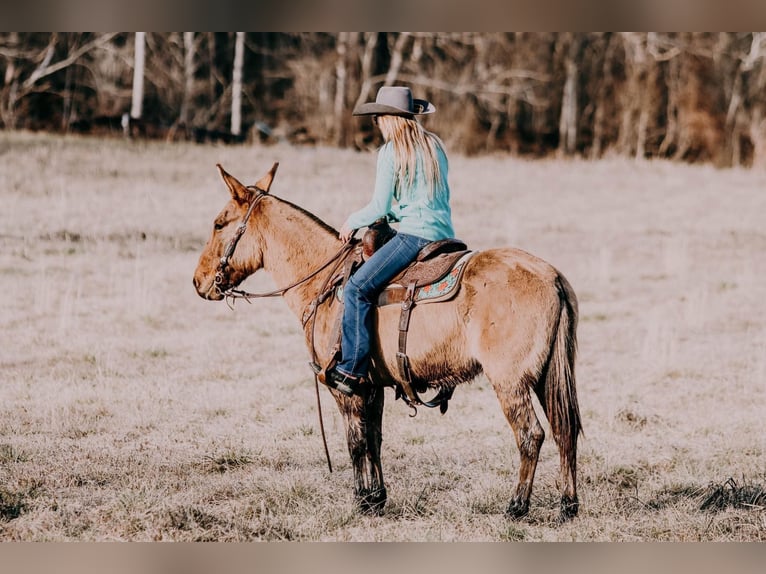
(396, 58)
(45, 69)
(369, 50)
(757, 44)
(661, 48)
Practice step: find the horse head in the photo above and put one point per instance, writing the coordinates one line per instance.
(233, 252)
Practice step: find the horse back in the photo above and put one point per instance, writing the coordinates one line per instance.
(506, 294)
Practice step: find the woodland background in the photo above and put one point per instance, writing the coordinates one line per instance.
(696, 97)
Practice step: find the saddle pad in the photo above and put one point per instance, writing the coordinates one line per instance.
(446, 287)
(442, 290)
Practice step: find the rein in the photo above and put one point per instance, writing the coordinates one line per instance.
(232, 293)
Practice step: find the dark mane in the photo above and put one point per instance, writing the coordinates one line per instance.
(308, 214)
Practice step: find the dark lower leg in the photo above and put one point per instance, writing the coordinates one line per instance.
(529, 439)
(363, 423)
(569, 502)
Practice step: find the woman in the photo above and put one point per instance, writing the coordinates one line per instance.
(411, 188)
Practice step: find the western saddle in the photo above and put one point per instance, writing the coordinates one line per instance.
(434, 276)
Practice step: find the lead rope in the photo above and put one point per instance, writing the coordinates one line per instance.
(340, 256)
(321, 424)
(313, 317)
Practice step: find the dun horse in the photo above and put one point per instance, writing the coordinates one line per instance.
(514, 319)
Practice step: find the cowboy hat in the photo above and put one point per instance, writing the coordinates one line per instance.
(395, 100)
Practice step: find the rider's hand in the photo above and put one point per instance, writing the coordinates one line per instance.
(345, 233)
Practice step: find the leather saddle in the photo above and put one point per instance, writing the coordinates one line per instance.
(432, 264)
(434, 276)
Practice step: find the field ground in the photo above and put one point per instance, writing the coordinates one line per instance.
(130, 409)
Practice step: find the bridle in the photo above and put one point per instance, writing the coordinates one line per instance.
(231, 293)
(232, 245)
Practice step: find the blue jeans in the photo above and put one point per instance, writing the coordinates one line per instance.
(361, 292)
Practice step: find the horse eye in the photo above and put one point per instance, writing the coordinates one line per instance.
(218, 226)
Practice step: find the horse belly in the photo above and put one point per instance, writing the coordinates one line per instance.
(436, 342)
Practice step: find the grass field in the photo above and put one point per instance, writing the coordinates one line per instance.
(131, 409)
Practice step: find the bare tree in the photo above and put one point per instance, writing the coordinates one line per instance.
(136, 108)
(747, 92)
(569, 111)
(236, 89)
(371, 42)
(638, 94)
(341, 79)
(686, 96)
(31, 64)
(602, 101)
(397, 57)
(189, 71)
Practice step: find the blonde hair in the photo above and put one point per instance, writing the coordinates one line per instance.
(408, 138)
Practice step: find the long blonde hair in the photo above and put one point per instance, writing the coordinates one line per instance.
(408, 138)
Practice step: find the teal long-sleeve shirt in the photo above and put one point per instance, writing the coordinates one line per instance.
(417, 213)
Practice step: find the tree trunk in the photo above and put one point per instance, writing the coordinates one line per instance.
(138, 76)
(568, 118)
(602, 100)
(10, 86)
(189, 70)
(341, 77)
(633, 100)
(569, 104)
(736, 122)
(673, 85)
(212, 69)
(758, 138)
(236, 88)
(366, 75)
(758, 121)
(396, 58)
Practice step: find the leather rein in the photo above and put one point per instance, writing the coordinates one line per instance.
(231, 293)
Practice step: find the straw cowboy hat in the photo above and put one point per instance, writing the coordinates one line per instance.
(395, 100)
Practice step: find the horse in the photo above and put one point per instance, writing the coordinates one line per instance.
(514, 319)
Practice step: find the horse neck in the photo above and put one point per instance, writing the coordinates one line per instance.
(294, 244)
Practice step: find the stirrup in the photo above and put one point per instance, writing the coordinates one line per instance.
(335, 380)
(349, 386)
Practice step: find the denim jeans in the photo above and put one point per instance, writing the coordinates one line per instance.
(360, 294)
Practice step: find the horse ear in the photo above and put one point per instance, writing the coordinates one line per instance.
(238, 191)
(265, 182)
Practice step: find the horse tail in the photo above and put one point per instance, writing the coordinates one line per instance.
(560, 395)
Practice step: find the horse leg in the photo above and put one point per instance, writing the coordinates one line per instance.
(520, 414)
(363, 417)
(570, 504)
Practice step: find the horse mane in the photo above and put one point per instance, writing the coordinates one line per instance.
(308, 214)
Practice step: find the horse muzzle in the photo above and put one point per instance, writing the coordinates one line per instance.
(209, 290)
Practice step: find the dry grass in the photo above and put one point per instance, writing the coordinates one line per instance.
(132, 410)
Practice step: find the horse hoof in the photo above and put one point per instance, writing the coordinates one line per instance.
(517, 509)
(569, 508)
(371, 501)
